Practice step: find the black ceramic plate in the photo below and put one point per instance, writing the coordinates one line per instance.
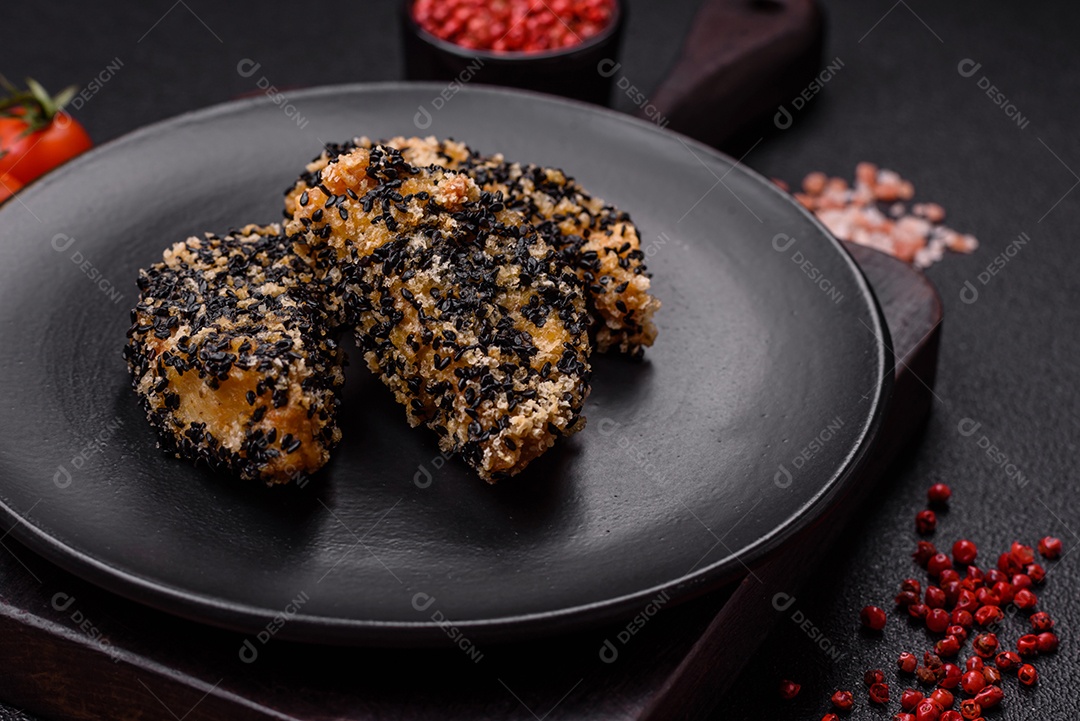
(745, 420)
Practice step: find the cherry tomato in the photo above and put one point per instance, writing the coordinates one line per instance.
(8, 186)
(35, 134)
(27, 157)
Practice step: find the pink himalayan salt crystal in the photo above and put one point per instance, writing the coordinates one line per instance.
(854, 213)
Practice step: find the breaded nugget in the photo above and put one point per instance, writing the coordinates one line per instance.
(597, 240)
(231, 352)
(460, 307)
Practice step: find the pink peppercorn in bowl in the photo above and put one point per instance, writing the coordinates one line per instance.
(562, 47)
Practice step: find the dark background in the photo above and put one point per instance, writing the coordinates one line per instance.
(1008, 361)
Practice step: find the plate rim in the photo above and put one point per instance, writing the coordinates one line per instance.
(244, 618)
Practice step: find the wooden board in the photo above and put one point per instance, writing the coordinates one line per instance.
(70, 650)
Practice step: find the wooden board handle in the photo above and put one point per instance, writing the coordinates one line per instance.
(741, 60)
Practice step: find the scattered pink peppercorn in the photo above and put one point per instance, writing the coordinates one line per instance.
(1036, 573)
(926, 675)
(966, 600)
(879, 693)
(1041, 621)
(947, 576)
(987, 597)
(1025, 599)
(938, 563)
(924, 551)
(1047, 642)
(952, 604)
(1008, 565)
(973, 682)
(942, 697)
(843, 700)
(951, 676)
(1020, 580)
(928, 710)
(789, 689)
(937, 620)
(947, 647)
(970, 709)
(985, 644)
(988, 615)
(906, 598)
(938, 493)
(989, 697)
(1023, 555)
(964, 552)
(1028, 645)
(925, 521)
(872, 618)
(910, 699)
(1004, 592)
(1050, 547)
(1007, 661)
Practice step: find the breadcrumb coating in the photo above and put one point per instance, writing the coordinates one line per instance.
(473, 284)
(595, 239)
(231, 352)
(460, 307)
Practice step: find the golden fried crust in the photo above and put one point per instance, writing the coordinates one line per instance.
(460, 307)
(598, 241)
(230, 352)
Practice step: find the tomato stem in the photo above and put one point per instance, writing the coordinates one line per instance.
(34, 106)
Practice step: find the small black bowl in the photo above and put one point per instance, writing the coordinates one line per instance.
(583, 72)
